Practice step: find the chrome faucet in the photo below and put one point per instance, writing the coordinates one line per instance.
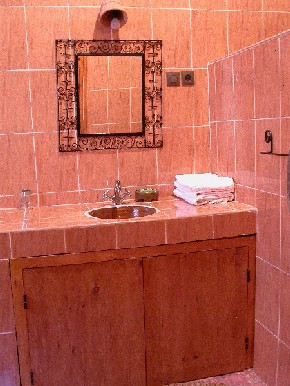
(117, 198)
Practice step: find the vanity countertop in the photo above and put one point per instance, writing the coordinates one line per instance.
(66, 228)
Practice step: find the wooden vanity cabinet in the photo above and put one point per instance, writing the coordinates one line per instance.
(196, 315)
(83, 324)
(146, 316)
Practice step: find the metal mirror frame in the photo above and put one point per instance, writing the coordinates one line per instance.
(70, 138)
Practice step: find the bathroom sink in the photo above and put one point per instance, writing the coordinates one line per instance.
(122, 212)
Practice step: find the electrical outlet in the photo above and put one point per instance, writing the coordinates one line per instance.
(187, 78)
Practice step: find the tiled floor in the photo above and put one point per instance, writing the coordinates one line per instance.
(244, 378)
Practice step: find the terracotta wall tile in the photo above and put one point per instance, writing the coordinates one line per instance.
(243, 78)
(284, 148)
(18, 163)
(135, 234)
(247, 5)
(83, 22)
(35, 3)
(212, 100)
(268, 281)
(213, 148)
(59, 198)
(176, 155)
(189, 229)
(251, 25)
(138, 25)
(170, 3)
(173, 28)
(275, 22)
(283, 172)
(57, 172)
(136, 3)
(213, 32)
(44, 103)
(87, 239)
(268, 235)
(224, 89)
(245, 195)
(49, 23)
(201, 149)
(13, 42)
(285, 309)
(268, 167)
(8, 360)
(225, 137)
(6, 310)
(208, 4)
(245, 153)
(137, 167)
(285, 235)
(285, 75)
(12, 3)
(14, 103)
(266, 80)
(37, 243)
(177, 105)
(97, 169)
(200, 107)
(266, 351)
(277, 5)
(88, 196)
(86, 2)
(283, 365)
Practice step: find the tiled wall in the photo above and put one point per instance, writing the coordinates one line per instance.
(193, 31)
(250, 93)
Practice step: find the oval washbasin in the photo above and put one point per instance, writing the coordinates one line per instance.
(122, 212)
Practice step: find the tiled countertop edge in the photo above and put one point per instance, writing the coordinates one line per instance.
(65, 229)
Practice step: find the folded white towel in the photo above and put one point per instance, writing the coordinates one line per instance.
(204, 181)
(188, 189)
(201, 199)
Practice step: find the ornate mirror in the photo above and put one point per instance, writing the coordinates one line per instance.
(109, 94)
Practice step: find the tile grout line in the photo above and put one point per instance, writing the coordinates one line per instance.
(280, 209)
(30, 105)
(193, 166)
(6, 333)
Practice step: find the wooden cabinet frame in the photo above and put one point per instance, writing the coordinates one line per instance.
(21, 302)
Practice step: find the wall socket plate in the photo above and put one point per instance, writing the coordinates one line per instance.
(173, 79)
(187, 78)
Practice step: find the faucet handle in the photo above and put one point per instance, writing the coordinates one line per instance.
(106, 194)
(127, 192)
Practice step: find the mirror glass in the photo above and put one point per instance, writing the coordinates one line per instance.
(109, 94)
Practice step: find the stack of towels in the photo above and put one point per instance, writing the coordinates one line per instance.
(205, 188)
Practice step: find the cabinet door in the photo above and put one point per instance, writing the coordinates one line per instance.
(86, 324)
(195, 315)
